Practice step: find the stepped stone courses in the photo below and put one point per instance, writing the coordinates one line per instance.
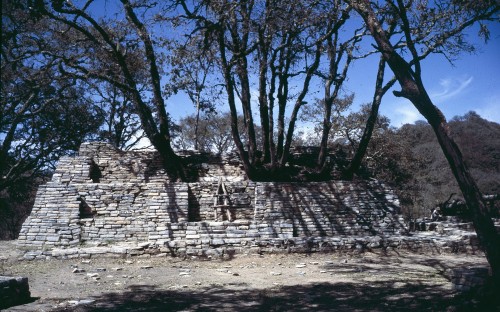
(106, 195)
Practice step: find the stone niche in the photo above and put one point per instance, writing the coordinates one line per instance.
(109, 195)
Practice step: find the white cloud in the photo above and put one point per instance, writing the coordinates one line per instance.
(404, 113)
(451, 87)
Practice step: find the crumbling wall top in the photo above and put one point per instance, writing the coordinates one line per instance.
(100, 162)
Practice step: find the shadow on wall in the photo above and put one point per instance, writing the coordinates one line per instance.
(376, 296)
(330, 209)
(174, 211)
(193, 207)
(95, 173)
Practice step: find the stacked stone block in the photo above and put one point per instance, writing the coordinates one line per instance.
(107, 195)
(72, 170)
(330, 208)
(225, 167)
(13, 291)
(54, 220)
(219, 238)
(241, 200)
(130, 211)
(146, 166)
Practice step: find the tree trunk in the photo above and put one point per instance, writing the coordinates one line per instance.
(328, 102)
(263, 106)
(355, 163)
(335, 79)
(247, 109)
(271, 99)
(298, 105)
(413, 89)
(197, 121)
(285, 56)
(229, 85)
(325, 133)
(162, 140)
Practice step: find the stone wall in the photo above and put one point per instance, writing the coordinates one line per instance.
(129, 211)
(241, 200)
(105, 195)
(107, 164)
(330, 208)
(55, 218)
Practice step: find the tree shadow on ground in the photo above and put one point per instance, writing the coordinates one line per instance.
(374, 296)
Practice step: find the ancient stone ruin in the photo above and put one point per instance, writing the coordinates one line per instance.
(14, 290)
(109, 201)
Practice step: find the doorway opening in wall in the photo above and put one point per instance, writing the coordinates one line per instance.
(85, 210)
(95, 173)
(193, 207)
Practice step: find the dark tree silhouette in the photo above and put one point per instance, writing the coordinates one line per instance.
(409, 77)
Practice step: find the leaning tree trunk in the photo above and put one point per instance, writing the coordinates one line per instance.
(414, 90)
(162, 140)
(360, 153)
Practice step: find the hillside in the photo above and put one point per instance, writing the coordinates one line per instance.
(432, 179)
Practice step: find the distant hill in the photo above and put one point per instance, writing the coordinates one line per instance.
(479, 141)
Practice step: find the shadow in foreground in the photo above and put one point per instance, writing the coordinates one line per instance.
(376, 296)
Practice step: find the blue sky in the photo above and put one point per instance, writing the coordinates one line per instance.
(471, 83)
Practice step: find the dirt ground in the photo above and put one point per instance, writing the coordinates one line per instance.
(276, 282)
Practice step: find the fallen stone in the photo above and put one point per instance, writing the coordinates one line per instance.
(13, 291)
(144, 245)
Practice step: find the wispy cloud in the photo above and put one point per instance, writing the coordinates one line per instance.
(451, 87)
(404, 113)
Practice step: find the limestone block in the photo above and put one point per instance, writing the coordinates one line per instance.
(13, 291)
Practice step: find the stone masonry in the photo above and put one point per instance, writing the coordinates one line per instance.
(109, 197)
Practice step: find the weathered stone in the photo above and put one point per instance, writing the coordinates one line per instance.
(13, 291)
(131, 199)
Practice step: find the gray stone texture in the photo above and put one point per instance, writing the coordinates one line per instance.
(13, 291)
(108, 196)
